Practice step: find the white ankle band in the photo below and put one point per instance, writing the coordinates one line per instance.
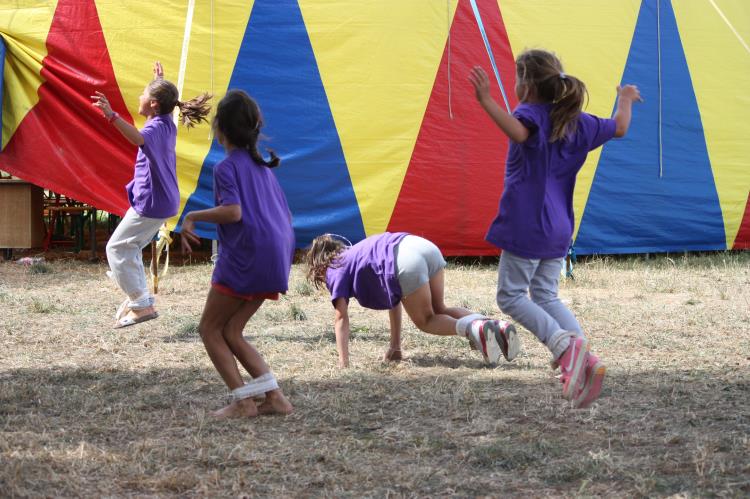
(257, 386)
(462, 324)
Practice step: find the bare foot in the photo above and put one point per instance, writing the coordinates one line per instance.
(275, 403)
(136, 314)
(393, 355)
(244, 408)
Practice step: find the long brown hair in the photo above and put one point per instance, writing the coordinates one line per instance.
(322, 254)
(192, 112)
(542, 71)
(238, 118)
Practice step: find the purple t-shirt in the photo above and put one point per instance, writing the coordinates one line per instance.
(367, 271)
(153, 192)
(255, 254)
(536, 219)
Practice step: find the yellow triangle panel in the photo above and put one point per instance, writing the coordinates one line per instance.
(715, 35)
(592, 38)
(27, 24)
(378, 82)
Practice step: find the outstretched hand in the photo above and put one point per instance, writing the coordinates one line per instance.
(481, 83)
(158, 71)
(100, 101)
(629, 92)
(188, 235)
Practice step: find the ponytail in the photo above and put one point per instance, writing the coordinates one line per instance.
(566, 106)
(239, 120)
(542, 71)
(192, 112)
(195, 110)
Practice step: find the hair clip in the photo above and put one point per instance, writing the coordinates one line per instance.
(340, 238)
(563, 76)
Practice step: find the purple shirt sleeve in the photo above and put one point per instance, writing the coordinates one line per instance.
(151, 135)
(227, 192)
(597, 130)
(339, 283)
(530, 118)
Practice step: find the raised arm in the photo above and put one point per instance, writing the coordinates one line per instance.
(625, 97)
(126, 129)
(158, 71)
(508, 123)
(341, 327)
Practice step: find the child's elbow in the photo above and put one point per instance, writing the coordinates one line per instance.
(621, 128)
(236, 213)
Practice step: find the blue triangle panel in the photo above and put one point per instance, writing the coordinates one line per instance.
(631, 209)
(277, 67)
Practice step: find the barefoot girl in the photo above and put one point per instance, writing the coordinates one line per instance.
(256, 244)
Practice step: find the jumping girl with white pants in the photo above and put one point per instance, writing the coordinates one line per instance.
(153, 193)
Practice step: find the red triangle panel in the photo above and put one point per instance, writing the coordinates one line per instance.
(63, 143)
(742, 241)
(453, 184)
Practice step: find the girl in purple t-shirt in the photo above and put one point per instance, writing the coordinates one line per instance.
(256, 245)
(387, 270)
(550, 138)
(153, 193)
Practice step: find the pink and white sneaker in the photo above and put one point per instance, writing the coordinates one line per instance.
(572, 365)
(594, 377)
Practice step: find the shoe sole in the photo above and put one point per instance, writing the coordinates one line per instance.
(577, 370)
(593, 387)
(492, 338)
(512, 342)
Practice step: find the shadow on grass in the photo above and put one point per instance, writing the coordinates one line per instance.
(83, 432)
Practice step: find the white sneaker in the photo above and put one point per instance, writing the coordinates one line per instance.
(482, 334)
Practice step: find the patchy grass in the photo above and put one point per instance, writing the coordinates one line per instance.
(86, 410)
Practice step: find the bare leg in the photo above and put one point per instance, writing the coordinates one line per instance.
(218, 311)
(251, 359)
(437, 286)
(419, 307)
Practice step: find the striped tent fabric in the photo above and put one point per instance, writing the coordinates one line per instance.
(368, 104)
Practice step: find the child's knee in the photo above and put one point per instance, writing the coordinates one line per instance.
(231, 334)
(422, 320)
(507, 302)
(542, 296)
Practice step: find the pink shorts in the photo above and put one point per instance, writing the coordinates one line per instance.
(226, 290)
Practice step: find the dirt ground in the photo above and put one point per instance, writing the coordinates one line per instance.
(88, 411)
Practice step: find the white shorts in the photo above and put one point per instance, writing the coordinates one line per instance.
(417, 261)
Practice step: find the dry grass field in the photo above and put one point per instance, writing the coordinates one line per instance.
(88, 411)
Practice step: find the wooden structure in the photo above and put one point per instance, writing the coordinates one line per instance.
(21, 214)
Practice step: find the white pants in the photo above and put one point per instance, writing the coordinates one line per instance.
(125, 256)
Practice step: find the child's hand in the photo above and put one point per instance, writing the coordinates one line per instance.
(188, 235)
(100, 101)
(481, 83)
(392, 355)
(629, 92)
(158, 71)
